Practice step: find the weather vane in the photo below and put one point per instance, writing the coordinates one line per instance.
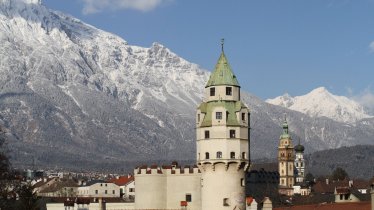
(222, 43)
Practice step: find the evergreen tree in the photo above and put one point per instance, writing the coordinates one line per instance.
(339, 174)
(309, 179)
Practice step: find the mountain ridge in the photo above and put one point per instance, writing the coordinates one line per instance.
(71, 94)
(321, 103)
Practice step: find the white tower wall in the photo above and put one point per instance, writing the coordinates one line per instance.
(222, 141)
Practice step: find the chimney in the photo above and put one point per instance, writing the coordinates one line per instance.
(267, 204)
(327, 181)
(350, 183)
(372, 196)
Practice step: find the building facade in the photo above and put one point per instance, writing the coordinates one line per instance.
(286, 161)
(299, 163)
(167, 187)
(222, 141)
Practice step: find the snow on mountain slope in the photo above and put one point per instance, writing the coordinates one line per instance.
(74, 83)
(101, 103)
(321, 103)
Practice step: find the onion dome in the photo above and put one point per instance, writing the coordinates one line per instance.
(299, 148)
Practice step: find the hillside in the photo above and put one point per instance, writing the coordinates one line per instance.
(77, 97)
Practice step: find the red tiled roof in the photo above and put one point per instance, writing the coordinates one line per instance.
(330, 206)
(122, 180)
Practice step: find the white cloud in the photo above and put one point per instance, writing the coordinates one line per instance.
(95, 6)
(371, 46)
(366, 99)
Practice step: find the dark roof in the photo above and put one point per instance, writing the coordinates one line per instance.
(330, 206)
(84, 200)
(92, 182)
(265, 166)
(323, 187)
(59, 185)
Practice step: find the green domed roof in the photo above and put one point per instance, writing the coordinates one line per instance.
(299, 148)
(285, 134)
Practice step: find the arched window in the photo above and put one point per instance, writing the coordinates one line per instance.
(232, 155)
(207, 155)
(219, 155)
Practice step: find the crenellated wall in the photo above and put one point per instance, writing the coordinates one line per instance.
(172, 185)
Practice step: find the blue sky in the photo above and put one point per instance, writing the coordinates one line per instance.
(274, 46)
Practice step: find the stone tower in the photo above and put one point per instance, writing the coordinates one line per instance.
(299, 163)
(286, 162)
(222, 140)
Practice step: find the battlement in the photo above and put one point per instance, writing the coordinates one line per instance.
(173, 169)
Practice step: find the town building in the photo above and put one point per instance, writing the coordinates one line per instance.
(98, 189)
(299, 164)
(286, 160)
(126, 185)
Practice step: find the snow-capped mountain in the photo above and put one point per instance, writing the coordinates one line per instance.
(75, 96)
(321, 103)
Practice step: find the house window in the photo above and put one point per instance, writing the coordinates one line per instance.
(96, 192)
(219, 115)
(106, 191)
(282, 181)
(232, 133)
(243, 116)
(114, 192)
(212, 91)
(243, 155)
(228, 91)
(226, 202)
(242, 182)
(207, 134)
(219, 155)
(232, 155)
(188, 197)
(132, 190)
(207, 155)
(198, 117)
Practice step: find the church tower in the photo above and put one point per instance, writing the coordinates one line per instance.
(299, 163)
(222, 140)
(286, 162)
